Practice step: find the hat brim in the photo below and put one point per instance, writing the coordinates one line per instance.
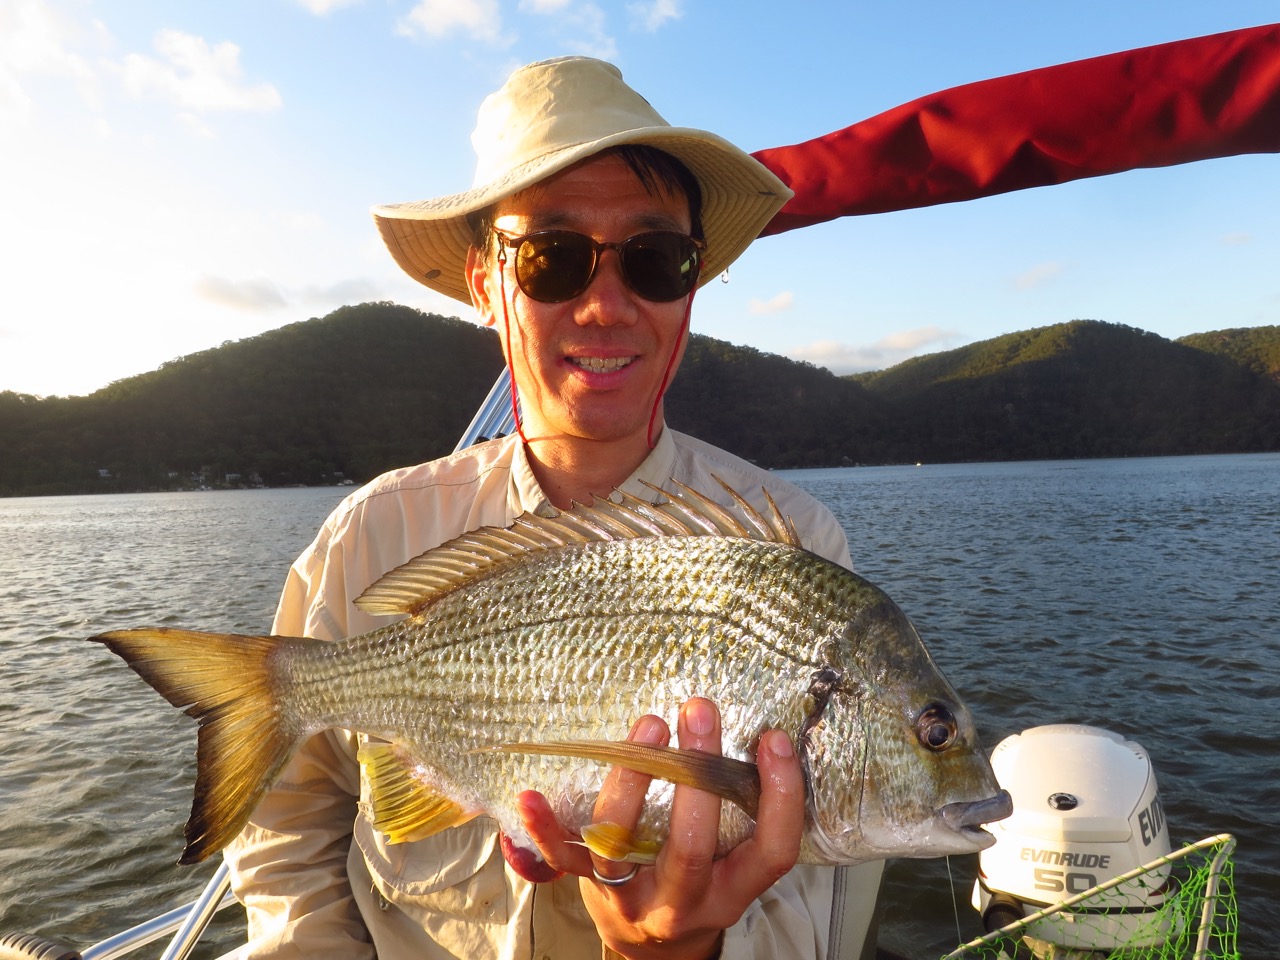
(429, 239)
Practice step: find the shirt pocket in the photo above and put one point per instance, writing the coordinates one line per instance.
(457, 874)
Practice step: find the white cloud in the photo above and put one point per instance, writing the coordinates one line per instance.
(260, 295)
(1238, 239)
(250, 295)
(582, 26)
(910, 341)
(596, 40)
(434, 19)
(324, 7)
(345, 292)
(1037, 276)
(777, 304)
(651, 15)
(196, 76)
(842, 358)
(195, 126)
(14, 101)
(36, 40)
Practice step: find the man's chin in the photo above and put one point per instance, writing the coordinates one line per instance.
(596, 428)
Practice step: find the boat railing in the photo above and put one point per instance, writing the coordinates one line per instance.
(494, 418)
(190, 921)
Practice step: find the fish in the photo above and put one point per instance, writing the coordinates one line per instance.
(522, 654)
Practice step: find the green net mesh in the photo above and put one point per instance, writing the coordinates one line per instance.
(1197, 920)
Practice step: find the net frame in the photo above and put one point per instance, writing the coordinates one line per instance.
(1208, 880)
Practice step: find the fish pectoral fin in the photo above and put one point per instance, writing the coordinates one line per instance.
(613, 841)
(735, 780)
(405, 808)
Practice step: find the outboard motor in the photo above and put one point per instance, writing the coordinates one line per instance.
(1085, 810)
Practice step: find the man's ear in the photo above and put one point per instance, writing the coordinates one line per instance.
(478, 283)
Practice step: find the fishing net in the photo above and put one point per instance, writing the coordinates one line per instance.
(1198, 919)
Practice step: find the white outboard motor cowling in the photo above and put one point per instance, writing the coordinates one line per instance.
(1085, 810)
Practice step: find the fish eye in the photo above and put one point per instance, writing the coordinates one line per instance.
(936, 727)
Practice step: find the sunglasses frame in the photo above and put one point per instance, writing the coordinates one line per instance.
(596, 247)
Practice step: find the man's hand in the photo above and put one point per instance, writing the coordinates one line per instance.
(681, 906)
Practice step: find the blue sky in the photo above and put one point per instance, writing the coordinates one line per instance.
(175, 174)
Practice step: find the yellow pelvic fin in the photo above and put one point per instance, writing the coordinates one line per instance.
(735, 780)
(404, 808)
(613, 841)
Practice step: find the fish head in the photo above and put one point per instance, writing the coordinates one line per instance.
(891, 754)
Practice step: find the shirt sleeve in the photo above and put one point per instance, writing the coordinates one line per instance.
(789, 920)
(289, 865)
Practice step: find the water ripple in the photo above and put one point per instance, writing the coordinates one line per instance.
(96, 771)
(1137, 595)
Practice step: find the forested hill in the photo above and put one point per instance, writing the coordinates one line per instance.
(1088, 389)
(371, 387)
(349, 395)
(1257, 348)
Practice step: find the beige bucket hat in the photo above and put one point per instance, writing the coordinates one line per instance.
(548, 116)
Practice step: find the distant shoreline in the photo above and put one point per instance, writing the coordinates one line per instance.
(352, 485)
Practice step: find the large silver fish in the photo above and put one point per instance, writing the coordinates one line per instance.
(526, 649)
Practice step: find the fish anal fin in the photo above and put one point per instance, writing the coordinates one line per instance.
(613, 841)
(735, 780)
(403, 806)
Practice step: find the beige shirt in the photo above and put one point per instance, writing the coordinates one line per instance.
(320, 882)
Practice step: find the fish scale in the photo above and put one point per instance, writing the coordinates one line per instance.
(702, 613)
(526, 653)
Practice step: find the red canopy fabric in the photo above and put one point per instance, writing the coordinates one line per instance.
(1177, 102)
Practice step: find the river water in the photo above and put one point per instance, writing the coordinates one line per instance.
(1136, 595)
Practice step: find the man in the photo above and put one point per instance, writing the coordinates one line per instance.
(591, 223)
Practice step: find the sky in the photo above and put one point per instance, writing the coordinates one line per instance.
(178, 174)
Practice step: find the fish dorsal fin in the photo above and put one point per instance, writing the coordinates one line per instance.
(683, 512)
(404, 808)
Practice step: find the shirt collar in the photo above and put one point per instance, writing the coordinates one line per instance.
(526, 492)
(657, 468)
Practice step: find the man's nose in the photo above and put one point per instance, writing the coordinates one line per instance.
(608, 300)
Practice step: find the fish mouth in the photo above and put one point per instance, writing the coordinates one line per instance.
(966, 818)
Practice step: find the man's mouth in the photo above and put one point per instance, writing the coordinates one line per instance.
(600, 364)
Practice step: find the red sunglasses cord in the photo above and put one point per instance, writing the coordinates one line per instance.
(666, 374)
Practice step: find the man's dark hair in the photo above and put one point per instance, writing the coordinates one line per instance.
(657, 171)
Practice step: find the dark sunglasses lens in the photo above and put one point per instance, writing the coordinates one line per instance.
(660, 266)
(557, 265)
(554, 266)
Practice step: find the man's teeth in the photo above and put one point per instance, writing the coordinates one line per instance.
(601, 364)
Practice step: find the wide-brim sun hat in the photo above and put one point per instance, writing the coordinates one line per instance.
(550, 115)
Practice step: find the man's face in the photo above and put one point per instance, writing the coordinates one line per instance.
(590, 367)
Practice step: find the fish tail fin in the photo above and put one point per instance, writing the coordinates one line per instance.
(226, 682)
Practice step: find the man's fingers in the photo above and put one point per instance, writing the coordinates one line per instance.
(553, 840)
(695, 814)
(687, 860)
(772, 850)
(622, 796)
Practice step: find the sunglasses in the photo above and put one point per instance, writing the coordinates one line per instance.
(553, 266)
